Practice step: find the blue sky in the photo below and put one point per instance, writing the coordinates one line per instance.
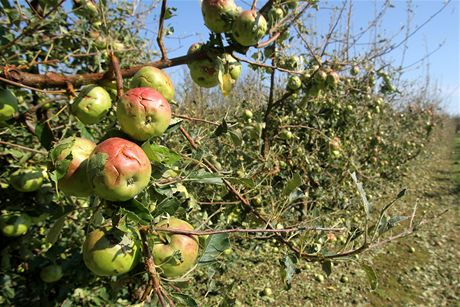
(444, 64)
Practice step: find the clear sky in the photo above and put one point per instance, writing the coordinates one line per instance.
(444, 68)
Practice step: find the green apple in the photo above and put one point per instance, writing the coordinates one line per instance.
(51, 273)
(14, 225)
(8, 105)
(294, 82)
(92, 104)
(174, 254)
(118, 169)
(73, 154)
(204, 72)
(110, 251)
(249, 27)
(26, 180)
(143, 112)
(155, 78)
(219, 15)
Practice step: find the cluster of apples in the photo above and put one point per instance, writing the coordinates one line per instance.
(116, 170)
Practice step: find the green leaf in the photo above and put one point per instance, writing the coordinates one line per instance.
(327, 267)
(292, 184)
(222, 129)
(184, 300)
(371, 276)
(136, 211)
(168, 206)
(248, 182)
(204, 177)
(214, 246)
(288, 269)
(44, 134)
(84, 132)
(362, 193)
(160, 154)
(55, 230)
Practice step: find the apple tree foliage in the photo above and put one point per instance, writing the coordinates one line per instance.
(295, 142)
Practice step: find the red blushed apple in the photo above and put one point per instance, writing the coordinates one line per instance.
(175, 254)
(143, 112)
(118, 169)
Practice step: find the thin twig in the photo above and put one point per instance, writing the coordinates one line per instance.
(240, 230)
(118, 76)
(164, 55)
(24, 148)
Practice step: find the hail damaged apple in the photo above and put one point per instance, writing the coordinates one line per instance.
(118, 169)
(154, 78)
(174, 254)
(110, 251)
(72, 154)
(26, 180)
(204, 72)
(219, 14)
(14, 225)
(143, 112)
(249, 27)
(92, 104)
(8, 105)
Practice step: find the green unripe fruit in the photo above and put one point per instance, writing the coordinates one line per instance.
(92, 104)
(154, 78)
(14, 225)
(294, 83)
(321, 76)
(51, 273)
(85, 8)
(110, 252)
(247, 114)
(275, 15)
(233, 65)
(8, 105)
(204, 72)
(249, 27)
(26, 180)
(286, 134)
(219, 15)
(354, 70)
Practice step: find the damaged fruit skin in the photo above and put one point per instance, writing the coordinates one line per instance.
(155, 78)
(204, 72)
(75, 181)
(118, 169)
(249, 27)
(219, 15)
(92, 104)
(143, 113)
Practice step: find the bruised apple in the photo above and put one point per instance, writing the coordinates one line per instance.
(72, 154)
(118, 169)
(249, 27)
(219, 14)
(174, 254)
(154, 78)
(204, 72)
(92, 104)
(110, 251)
(143, 112)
